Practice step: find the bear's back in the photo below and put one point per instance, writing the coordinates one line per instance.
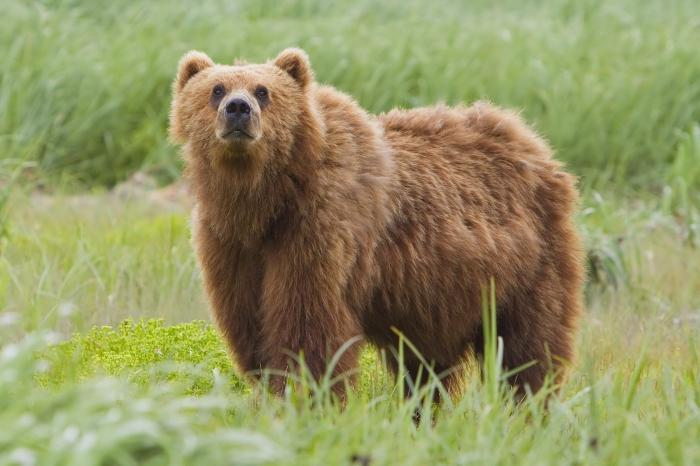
(483, 160)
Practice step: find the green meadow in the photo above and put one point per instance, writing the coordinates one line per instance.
(107, 352)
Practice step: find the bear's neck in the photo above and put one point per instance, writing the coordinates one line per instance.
(249, 206)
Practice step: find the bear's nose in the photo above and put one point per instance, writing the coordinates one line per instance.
(237, 107)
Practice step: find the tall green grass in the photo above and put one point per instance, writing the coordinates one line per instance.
(613, 84)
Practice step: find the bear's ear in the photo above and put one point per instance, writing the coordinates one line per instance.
(190, 64)
(296, 63)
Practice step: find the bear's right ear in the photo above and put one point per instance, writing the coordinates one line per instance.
(296, 63)
(190, 64)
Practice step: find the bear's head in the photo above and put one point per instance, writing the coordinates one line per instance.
(241, 115)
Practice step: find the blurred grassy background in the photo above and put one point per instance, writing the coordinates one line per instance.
(615, 85)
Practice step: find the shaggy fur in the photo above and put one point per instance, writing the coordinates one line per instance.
(331, 223)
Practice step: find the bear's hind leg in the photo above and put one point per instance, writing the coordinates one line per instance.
(537, 341)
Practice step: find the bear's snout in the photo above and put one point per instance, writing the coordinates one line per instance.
(237, 110)
(237, 120)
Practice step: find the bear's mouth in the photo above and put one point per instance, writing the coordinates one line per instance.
(237, 135)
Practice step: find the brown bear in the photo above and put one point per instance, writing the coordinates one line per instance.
(316, 222)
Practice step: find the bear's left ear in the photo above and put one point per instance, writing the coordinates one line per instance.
(190, 64)
(296, 63)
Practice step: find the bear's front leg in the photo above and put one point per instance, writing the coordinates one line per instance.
(303, 313)
(232, 279)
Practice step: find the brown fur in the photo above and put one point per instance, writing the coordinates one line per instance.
(335, 223)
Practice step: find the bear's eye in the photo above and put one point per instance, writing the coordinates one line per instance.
(218, 90)
(261, 92)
